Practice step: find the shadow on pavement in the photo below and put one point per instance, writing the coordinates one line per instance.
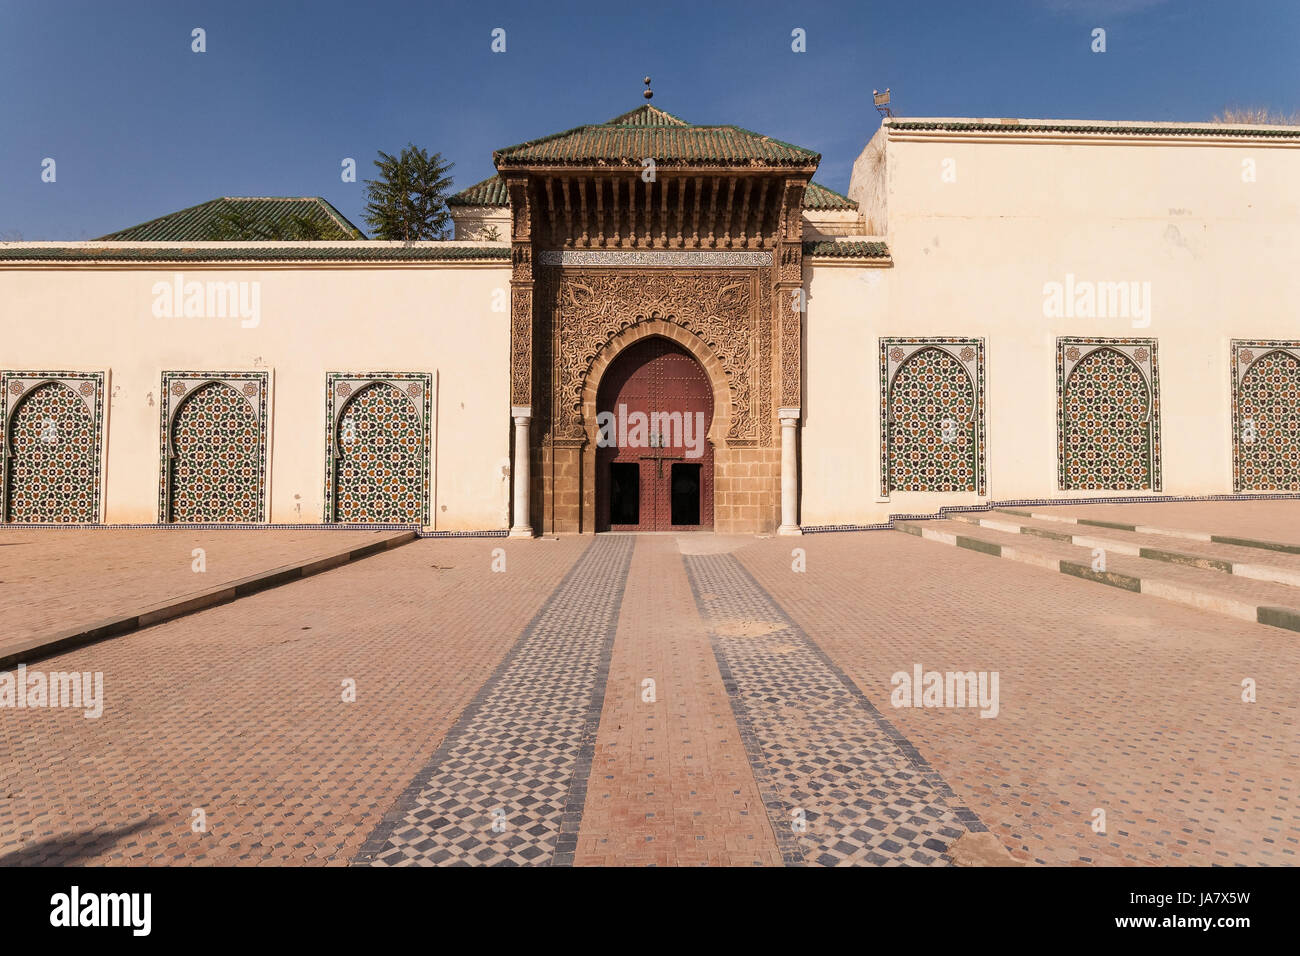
(74, 847)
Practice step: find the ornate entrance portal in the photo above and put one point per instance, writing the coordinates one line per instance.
(654, 466)
(704, 250)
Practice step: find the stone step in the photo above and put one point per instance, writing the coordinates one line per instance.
(1274, 566)
(1209, 590)
(1044, 514)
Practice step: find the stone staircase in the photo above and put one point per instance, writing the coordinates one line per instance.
(1248, 579)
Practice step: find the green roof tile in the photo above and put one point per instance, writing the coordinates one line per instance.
(490, 192)
(847, 249)
(817, 196)
(650, 132)
(647, 115)
(271, 213)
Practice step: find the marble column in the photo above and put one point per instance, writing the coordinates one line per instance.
(522, 527)
(789, 472)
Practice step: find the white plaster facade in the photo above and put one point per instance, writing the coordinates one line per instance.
(977, 221)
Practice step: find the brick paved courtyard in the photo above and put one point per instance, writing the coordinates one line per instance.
(661, 699)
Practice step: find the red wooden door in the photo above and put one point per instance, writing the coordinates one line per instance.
(656, 471)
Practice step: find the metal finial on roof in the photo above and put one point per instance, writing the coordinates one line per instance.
(649, 93)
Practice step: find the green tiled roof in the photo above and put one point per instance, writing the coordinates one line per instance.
(647, 115)
(197, 223)
(817, 196)
(650, 132)
(361, 252)
(492, 192)
(847, 249)
(1290, 133)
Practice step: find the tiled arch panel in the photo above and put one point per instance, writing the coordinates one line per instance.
(213, 436)
(1265, 415)
(1107, 414)
(932, 432)
(51, 446)
(394, 440)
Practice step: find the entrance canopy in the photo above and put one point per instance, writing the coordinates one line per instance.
(649, 179)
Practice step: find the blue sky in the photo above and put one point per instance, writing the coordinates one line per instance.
(139, 125)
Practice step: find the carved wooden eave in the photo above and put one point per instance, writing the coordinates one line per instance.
(619, 207)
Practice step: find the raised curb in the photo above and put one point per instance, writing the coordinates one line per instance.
(44, 645)
(1148, 529)
(1203, 562)
(1283, 617)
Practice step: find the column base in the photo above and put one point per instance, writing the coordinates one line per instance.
(521, 533)
(789, 529)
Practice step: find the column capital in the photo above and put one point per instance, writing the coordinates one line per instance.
(521, 411)
(788, 414)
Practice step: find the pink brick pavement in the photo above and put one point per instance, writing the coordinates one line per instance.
(55, 578)
(238, 711)
(1109, 699)
(670, 782)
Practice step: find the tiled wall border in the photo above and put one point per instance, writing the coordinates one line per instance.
(177, 388)
(16, 385)
(1245, 353)
(895, 351)
(341, 387)
(1143, 354)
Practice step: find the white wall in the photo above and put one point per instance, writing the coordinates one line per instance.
(971, 258)
(388, 317)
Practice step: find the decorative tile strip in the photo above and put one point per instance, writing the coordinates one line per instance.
(841, 784)
(509, 782)
(667, 257)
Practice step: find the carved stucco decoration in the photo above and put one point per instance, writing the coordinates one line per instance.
(592, 308)
(521, 293)
(521, 345)
(791, 327)
(789, 281)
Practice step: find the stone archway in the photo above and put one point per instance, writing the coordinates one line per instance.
(725, 317)
(724, 503)
(654, 464)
